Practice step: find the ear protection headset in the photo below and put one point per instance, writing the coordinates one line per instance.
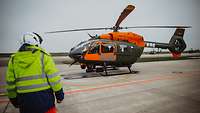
(39, 37)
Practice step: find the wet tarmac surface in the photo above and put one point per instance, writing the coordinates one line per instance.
(153, 87)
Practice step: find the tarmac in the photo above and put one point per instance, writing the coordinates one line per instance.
(153, 87)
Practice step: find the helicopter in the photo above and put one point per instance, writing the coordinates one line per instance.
(120, 49)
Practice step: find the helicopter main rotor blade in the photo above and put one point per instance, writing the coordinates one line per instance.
(156, 27)
(115, 29)
(123, 15)
(87, 29)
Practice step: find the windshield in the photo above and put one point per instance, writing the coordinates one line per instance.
(83, 45)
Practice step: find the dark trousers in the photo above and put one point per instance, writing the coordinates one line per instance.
(36, 102)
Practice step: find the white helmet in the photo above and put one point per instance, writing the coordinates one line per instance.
(32, 38)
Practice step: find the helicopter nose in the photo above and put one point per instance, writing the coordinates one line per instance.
(75, 55)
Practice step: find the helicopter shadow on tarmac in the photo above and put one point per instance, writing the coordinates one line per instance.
(111, 72)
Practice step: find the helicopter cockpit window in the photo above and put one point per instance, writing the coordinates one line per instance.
(123, 48)
(94, 50)
(107, 48)
(84, 45)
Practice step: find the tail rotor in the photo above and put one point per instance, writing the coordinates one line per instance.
(176, 44)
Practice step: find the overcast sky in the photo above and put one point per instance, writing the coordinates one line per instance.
(21, 16)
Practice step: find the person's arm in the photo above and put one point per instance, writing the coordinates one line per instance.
(11, 86)
(53, 77)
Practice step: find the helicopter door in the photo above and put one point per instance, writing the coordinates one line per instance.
(93, 53)
(107, 52)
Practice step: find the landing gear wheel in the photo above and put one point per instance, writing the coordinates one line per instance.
(83, 66)
(89, 68)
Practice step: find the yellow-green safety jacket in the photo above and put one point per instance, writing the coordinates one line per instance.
(31, 71)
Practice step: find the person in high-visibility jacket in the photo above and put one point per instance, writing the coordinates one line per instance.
(32, 78)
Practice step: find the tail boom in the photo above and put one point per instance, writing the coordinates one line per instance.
(176, 44)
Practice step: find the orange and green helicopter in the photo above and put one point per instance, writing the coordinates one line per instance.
(120, 49)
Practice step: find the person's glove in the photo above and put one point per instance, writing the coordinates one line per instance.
(14, 102)
(59, 95)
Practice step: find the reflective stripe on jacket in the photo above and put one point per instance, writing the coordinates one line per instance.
(31, 71)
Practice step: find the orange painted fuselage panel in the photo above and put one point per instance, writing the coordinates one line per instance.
(100, 57)
(125, 36)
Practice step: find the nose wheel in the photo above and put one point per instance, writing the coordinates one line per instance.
(90, 68)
